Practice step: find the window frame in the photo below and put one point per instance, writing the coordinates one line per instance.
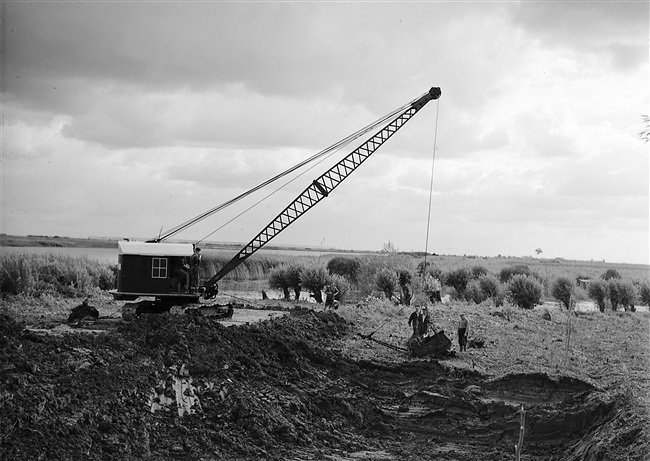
(159, 266)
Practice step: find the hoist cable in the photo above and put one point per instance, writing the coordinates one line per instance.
(433, 162)
(334, 147)
(435, 137)
(267, 196)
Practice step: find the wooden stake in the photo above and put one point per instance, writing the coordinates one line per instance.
(522, 426)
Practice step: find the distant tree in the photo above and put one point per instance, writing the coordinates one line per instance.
(278, 280)
(388, 247)
(315, 278)
(387, 281)
(610, 274)
(621, 293)
(478, 271)
(473, 292)
(431, 287)
(491, 288)
(538, 251)
(432, 270)
(508, 272)
(458, 279)
(293, 277)
(524, 291)
(645, 133)
(562, 290)
(349, 268)
(405, 279)
(644, 294)
(598, 290)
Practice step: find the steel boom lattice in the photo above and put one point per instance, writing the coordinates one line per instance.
(323, 186)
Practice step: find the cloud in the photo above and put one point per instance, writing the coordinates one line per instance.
(613, 29)
(122, 118)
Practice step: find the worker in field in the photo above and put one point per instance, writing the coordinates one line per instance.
(463, 332)
(415, 319)
(179, 276)
(330, 297)
(195, 267)
(426, 321)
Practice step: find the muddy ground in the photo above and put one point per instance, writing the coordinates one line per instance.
(304, 386)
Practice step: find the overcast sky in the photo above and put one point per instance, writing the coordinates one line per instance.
(124, 118)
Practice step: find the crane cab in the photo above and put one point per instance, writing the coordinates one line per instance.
(159, 270)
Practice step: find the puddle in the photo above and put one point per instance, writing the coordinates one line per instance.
(243, 316)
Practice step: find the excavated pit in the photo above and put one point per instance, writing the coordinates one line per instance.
(165, 386)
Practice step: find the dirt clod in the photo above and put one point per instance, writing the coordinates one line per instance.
(83, 311)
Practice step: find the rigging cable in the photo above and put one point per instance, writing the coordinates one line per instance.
(435, 137)
(334, 147)
(267, 196)
(433, 161)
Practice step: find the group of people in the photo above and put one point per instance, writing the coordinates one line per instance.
(422, 324)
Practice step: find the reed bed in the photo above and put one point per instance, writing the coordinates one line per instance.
(49, 274)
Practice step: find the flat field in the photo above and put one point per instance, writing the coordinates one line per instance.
(307, 386)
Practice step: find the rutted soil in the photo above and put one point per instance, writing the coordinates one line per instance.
(187, 387)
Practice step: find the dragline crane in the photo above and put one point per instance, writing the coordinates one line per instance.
(149, 269)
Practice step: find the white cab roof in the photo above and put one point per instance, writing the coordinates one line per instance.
(154, 249)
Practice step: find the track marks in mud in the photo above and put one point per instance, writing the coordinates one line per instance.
(429, 401)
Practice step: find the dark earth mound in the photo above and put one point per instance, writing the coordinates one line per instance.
(185, 387)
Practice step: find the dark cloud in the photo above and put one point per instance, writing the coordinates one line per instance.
(618, 29)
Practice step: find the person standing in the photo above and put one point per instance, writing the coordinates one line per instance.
(425, 323)
(195, 267)
(463, 332)
(414, 320)
(331, 291)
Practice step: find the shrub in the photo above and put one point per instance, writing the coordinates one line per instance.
(370, 266)
(293, 276)
(431, 270)
(405, 279)
(278, 280)
(508, 272)
(525, 291)
(562, 290)
(644, 294)
(478, 272)
(350, 268)
(598, 291)
(491, 289)
(474, 293)
(387, 281)
(458, 279)
(430, 286)
(314, 278)
(621, 293)
(610, 274)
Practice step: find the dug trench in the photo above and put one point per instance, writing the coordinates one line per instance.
(186, 387)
